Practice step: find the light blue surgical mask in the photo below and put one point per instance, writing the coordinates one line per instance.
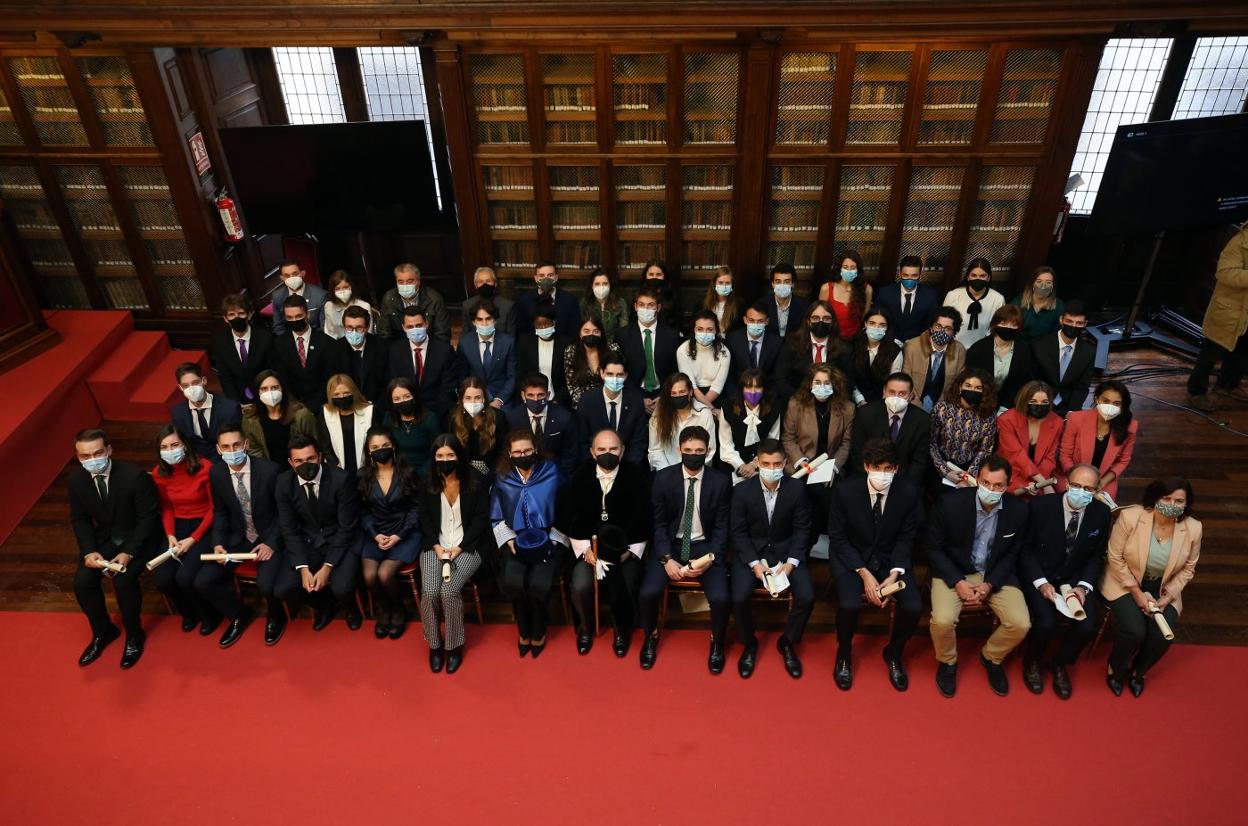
(769, 474)
(756, 330)
(646, 315)
(97, 465)
(486, 331)
(822, 392)
(876, 333)
(354, 337)
(173, 457)
(723, 290)
(848, 276)
(417, 335)
(705, 339)
(614, 383)
(407, 290)
(234, 458)
(1078, 498)
(782, 290)
(988, 497)
(545, 333)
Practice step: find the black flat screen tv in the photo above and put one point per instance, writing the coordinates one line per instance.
(374, 176)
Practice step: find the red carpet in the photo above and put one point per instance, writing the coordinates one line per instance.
(339, 726)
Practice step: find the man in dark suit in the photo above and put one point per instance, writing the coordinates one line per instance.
(295, 285)
(974, 539)
(318, 511)
(649, 347)
(366, 356)
(1066, 540)
(306, 358)
(770, 527)
(683, 534)
(241, 350)
(542, 351)
(490, 356)
(872, 523)
(1065, 359)
(898, 419)
(430, 363)
(908, 302)
(203, 414)
(115, 513)
(608, 498)
(785, 311)
(567, 311)
(245, 520)
(552, 425)
(619, 406)
(753, 346)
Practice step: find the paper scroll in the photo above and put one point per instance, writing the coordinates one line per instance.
(115, 567)
(228, 557)
(1073, 605)
(1160, 619)
(810, 466)
(891, 588)
(157, 561)
(701, 562)
(446, 570)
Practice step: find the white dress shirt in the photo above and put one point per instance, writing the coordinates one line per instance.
(546, 360)
(769, 499)
(451, 526)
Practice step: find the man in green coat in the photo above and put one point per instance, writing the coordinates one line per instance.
(1226, 320)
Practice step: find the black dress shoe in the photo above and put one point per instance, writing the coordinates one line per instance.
(1115, 684)
(189, 623)
(997, 680)
(1061, 682)
(1136, 684)
(97, 645)
(436, 658)
(322, 618)
(536, 650)
(354, 620)
(208, 627)
(947, 679)
(745, 665)
(649, 651)
(715, 662)
(843, 673)
(454, 658)
(584, 642)
(792, 664)
(621, 641)
(133, 650)
(274, 628)
(524, 648)
(381, 629)
(234, 631)
(896, 672)
(1033, 677)
(397, 627)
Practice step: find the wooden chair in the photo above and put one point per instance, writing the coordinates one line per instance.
(1100, 632)
(245, 573)
(411, 575)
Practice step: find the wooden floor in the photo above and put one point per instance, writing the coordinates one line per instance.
(38, 560)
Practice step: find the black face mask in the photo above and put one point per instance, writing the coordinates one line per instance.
(238, 325)
(680, 402)
(1006, 333)
(607, 461)
(383, 454)
(535, 406)
(1071, 331)
(656, 284)
(487, 291)
(821, 329)
(591, 341)
(344, 402)
(972, 397)
(407, 408)
(525, 462)
(1038, 411)
(978, 284)
(299, 326)
(693, 461)
(308, 470)
(446, 467)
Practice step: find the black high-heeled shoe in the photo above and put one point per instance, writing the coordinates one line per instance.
(536, 650)
(1136, 684)
(524, 648)
(381, 630)
(436, 657)
(1115, 684)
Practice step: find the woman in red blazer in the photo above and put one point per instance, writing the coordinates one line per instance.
(1103, 436)
(1028, 436)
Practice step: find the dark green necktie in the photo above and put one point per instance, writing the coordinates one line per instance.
(686, 525)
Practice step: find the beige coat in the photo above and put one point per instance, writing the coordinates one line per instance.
(1128, 554)
(916, 357)
(800, 433)
(1226, 318)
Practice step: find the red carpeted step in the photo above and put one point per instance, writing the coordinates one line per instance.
(158, 389)
(128, 366)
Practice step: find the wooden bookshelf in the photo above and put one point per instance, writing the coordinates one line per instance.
(640, 215)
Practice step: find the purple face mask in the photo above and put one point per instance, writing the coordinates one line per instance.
(753, 397)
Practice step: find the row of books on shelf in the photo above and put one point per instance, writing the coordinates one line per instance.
(1026, 94)
(803, 132)
(640, 96)
(712, 131)
(930, 214)
(504, 132)
(863, 215)
(565, 98)
(999, 216)
(946, 132)
(642, 213)
(883, 94)
(948, 94)
(807, 63)
(641, 131)
(500, 97)
(507, 178)
(707, 214)
(509, 215)
(113, 99)
(574, 178)
(582, 131)
(576, 215)
(873, 133)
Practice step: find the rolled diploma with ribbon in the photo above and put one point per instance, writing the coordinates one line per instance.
(810, 466)
(228, 557)
(157, 561)
(892, 588)
(1160, 619)
(115, 567)
(1073, 603)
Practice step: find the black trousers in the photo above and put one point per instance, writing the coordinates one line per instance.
(618, 589)
(849, 591)
(1047, 623)
(1138, 643)
(214, 584)
(528, 586)
(714, 581)
(89, 589)
(342, 581)
(1233, 365)
(176, 578)
(744, 582)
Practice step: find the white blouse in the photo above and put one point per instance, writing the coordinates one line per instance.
(705, 370)
(666, 454)
(451, 530)
(959, 299)
(332, 323)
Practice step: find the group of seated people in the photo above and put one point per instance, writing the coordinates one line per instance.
(355, 443)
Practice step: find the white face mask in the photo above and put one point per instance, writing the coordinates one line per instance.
(294, 283)
(271, 397)
(645, 315)
(343, 295)
(473, 408)
(880, 479)
(1108, 411)
(601, 291)
(407, 290)
(195, 393)
(895, 404)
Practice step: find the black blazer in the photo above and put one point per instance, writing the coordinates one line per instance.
(567, 313)
(798, 308)
(982, 354)
(786, 536)
(869, 377)
(628, 503)
(331, 531)
(1045, 554)
(853, 539)
(632, 422)
(526, 363)
(951, 535)
(393, 513)
(666, 340)
(223, 411)
(739, 349)
(308, 383)
(229, 528)
(128, 523)
(559, 437)
(440, 379)
(235, 376)
(667, 497)
(905, 327)
(370, 371)
(1046, 355)
(913, 442)
(474, 510)
(792, 366)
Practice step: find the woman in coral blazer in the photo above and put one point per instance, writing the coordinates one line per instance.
(1102, 436)
(1027, 436)
(1153, 550)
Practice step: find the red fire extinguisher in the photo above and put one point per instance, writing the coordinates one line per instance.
(232, 224)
